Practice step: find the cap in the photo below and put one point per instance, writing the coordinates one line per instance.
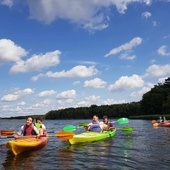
(104, 117)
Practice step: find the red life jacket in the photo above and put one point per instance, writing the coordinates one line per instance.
(29, 130)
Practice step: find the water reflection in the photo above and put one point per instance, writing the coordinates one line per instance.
(27, 160)
(23, 160)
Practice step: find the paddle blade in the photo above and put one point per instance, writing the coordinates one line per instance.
(69, 128)
(64, 135)
(154, 121)
(155, 124)
(6, 132)
(122, 121)
(127, 129)
(82, 124)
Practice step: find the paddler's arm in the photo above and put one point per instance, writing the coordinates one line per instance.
(20, 133)
(88, 126)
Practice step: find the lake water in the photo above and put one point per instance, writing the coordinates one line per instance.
(146, 148)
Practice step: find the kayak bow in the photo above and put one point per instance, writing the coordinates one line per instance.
(20, 145)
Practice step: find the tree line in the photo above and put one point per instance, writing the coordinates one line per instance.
(154, 102)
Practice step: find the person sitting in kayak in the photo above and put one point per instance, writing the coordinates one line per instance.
(28, 129)
(95, 125)
(164, 120)
(160, 120)
(109, 124)
(40, 126)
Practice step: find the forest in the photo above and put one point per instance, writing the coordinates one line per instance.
(154, 103)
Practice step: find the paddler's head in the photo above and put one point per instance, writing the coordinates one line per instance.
(29, 120)
(105, 119)
(39, 120)
(95, 118)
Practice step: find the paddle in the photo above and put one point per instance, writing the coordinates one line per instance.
(61, 135)
(71, 128)
(126, 129)
(6, 132)
(119, 121)
(155, 124)
(154, 121)
(21, 137)
(64, 135)
(122, 121)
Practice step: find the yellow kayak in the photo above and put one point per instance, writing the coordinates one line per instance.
(26, 143)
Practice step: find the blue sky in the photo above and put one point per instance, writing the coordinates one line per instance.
(73, 53)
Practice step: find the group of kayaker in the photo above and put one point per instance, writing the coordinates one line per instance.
(38, 128)
(162, 120)
(97, 126)
(30, 128)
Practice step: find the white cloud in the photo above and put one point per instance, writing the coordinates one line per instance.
(37, 62)
(89, 101)
(163, 51)
(127, 56)
(166, 36)
(69, 94)
(95, 83)
(64, 103)
(154, 23)
(46, 102)
(112, 101)
(91, 14)
(146, 14)
(7, 2)
(125, 83)
(125, 47)
(77, 71)
(162, 80)
(47, 93)
(157, 70)
(21, 103)
(76, 82)
(16, 95)
(10, 52)
(140, 92)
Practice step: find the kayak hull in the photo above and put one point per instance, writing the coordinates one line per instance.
(24, 144)
(161, 124)
(91, 136)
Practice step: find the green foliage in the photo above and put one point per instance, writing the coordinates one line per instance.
(157, 100)
(112, 111)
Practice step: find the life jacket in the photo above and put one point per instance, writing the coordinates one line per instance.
(38, 125)
(95, 127)
(30, 129)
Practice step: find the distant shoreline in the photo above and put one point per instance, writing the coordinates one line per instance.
(144, 117)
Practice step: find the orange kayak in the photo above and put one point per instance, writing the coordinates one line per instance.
(161, 124)
(26, 143)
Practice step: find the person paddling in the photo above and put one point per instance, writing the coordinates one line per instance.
(108, 123)
(96, 125)
(28, 129)
(160, 120)
(40, 126)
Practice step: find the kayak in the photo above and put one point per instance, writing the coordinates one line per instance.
(162, 124)
(26, 143)
(91, 136)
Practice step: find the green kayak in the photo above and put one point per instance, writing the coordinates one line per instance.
(91, 136)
